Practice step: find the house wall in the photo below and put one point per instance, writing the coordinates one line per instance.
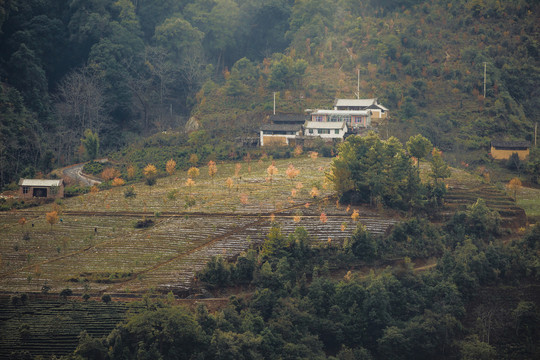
(378, 114)
(274, 140)
(505, 154)
(330, 136)
(50, 195)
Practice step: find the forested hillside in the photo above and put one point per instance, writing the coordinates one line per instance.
(129, 68)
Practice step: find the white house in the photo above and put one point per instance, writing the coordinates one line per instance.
(325, 130)
(378, 111)
(353, 118)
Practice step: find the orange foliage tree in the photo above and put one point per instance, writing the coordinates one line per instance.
(22, 222)
(292, 172)
(118, 181)
(110, 173)
(150, 173)
(52, 218)
(170, 166)
(190, 184)
(244, 199)
(193, 172)
(272, 170)
(212, 169)
(230, 183)
(514, 185)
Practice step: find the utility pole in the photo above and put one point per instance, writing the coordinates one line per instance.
(485, 63)
(358, 85)
(535, 132)
(274, 103)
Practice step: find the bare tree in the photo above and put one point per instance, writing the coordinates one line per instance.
(80, 101)
(165, 73)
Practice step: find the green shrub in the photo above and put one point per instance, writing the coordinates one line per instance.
(93, 168)
(75, 190)
(130, 192)
(145, 223)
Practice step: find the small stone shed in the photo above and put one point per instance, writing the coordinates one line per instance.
(30, 188)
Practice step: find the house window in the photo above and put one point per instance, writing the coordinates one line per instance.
(336, 131)
(311, 131)
(324, 131)
(319, 118)
(25, 189)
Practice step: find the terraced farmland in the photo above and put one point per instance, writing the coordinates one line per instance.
(96, 249)
(465, 189)
(51, 327)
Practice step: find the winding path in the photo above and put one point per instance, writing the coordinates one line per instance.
(75, 172)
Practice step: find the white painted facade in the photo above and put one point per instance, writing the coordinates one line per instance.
(325, 130)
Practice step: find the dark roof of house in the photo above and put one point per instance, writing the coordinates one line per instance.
(280, 118)
(281, 127)
(511, 144)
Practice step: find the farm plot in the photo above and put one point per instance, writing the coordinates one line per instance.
(251, 191)
(95, 247)
(178, 274)
(124, 256)
(46, 327)
(36, 241)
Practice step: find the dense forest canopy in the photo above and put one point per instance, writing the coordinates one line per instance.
(125, 68)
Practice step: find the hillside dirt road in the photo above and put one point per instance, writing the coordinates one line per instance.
(75, 172)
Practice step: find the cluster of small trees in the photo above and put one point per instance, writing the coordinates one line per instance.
(370, 170)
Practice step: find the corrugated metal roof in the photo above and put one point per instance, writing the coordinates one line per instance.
(341, 112)
(298, 118)
(355, 102)
(511, 144)
(377, 106)
(39, 182)
(281, 127)
(324, 125)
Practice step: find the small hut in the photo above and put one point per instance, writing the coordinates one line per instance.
(30, 188)
(502, 150)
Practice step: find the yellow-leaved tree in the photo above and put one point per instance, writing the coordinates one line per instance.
(193, 172)
(272, 170)
(118, 181)
(170, 166)
(292, 172)
(110, 173)
(514, 185)
(212, 169)
(230, 183)
(150, 173)
(52, 218)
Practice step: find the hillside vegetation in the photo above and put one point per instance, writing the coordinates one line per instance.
(123, 68)
(311, 277)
